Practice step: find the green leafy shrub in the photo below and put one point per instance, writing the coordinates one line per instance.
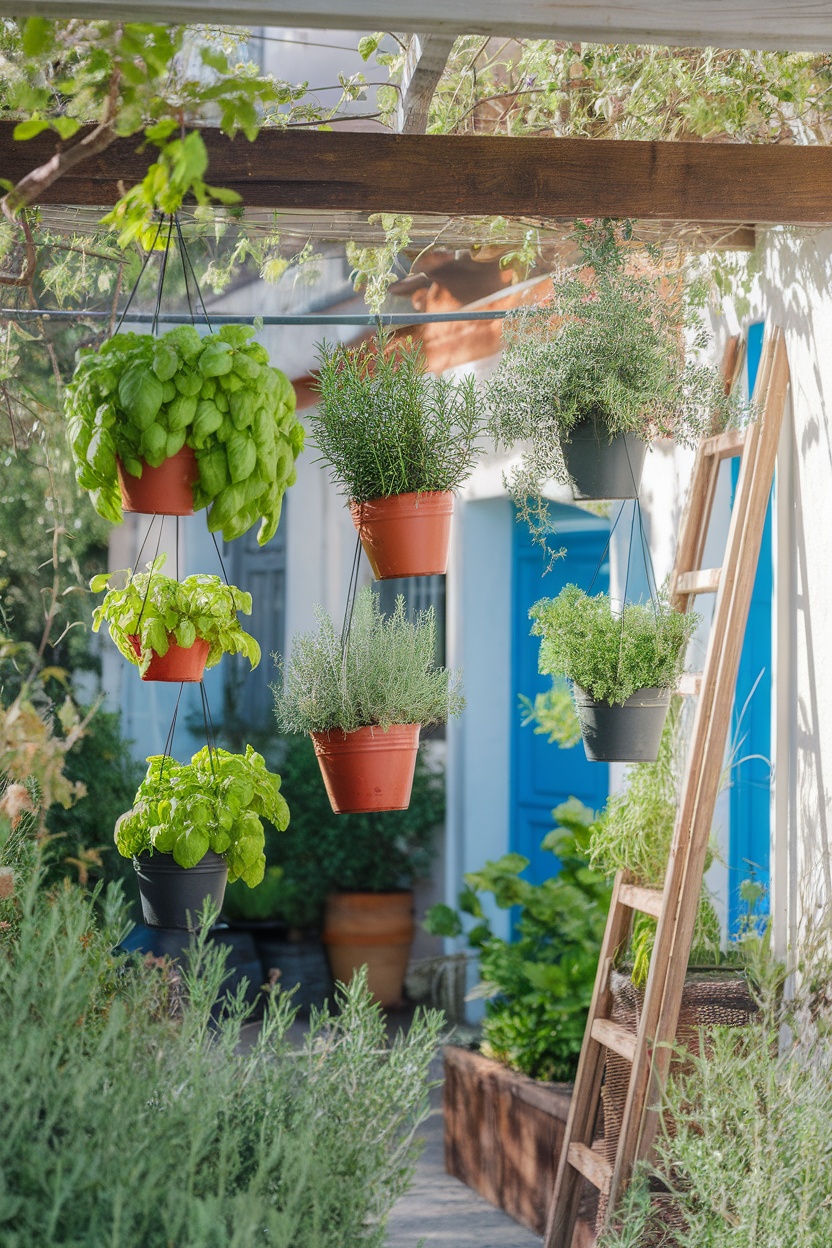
(611, 656)
(388, 427)
(608, 347)
(258, 904)
(141, 398)
(386, 675)
(155, 607)
(132, 1115)
(539, 985)
(214, 802)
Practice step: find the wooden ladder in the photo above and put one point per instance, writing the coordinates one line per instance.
(649, 1050)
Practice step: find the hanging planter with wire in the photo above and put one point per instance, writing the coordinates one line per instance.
(400, 441)
(168, 425)
(363, 698)
(170, 629)
(194, 826)
(623, 667)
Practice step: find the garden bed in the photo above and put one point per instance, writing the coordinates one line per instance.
(503, 1136)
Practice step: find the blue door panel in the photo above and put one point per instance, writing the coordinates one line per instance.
(544, 775)
(749, 850)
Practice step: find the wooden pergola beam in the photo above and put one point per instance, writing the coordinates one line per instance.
(472, 175)
(799, 25)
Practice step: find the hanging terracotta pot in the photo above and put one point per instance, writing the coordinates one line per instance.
(626, 733)
(602, 467)
(369, 769)
(172, 896)
(373, 930)
(163, 491)
(407, 534)
(180, 664)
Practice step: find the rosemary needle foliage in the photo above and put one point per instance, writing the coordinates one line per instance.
(387, 426)
(608, 655)
(386, 675)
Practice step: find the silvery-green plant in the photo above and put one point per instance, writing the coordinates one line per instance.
(135, 1112)
(385, 675)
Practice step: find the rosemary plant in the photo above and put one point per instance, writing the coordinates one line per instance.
(387, 426)
(386, 675)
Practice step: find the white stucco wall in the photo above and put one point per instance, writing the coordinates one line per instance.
(796, 279)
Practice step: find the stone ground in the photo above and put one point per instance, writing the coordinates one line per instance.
(441, 1212)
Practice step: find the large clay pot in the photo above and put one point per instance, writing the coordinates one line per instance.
(602, 467)
(172, 896)
(369, 769)
(373, 930)
(626, 733)
(407, 534)
(163, 491)
(180, 664)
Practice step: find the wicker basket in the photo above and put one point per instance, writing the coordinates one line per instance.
(710, 999)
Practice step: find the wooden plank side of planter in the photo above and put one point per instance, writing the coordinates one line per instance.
(503, 1135)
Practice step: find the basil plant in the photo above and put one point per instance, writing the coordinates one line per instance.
(216, 801)
(159, 609)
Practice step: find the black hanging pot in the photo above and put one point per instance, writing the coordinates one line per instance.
(173, 896)
(629, 732)
(602, 467)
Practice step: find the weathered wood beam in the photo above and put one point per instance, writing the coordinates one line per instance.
(801, 25)
(472, 175)
(424, 63)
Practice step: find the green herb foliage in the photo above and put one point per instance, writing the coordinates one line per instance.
(141, 398)
(133, 1115)
(214, 802)
(155, 608)
(553, 715)
(387, 675)
(539, 985)
(608, 655)
(389, 427)
(609, 348)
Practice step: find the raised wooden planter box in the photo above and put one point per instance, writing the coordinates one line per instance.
(503, 1136)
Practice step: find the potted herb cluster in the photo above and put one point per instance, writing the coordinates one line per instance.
(363, 703)
(193, 826)
(172, 630)
(588, 380)
(172, 424)
(399, 441)
(623, 667)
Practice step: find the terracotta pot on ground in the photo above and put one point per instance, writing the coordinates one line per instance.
(162, 491)
(181, 664)
(373, 930)
(406, 535)
(369, 769)
(626, 733)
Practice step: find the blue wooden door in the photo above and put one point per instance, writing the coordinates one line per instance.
(543, 775)
(749, 851)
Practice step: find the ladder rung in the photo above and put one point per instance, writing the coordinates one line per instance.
(614, 1036)
(591, 1165)
(645, 900)
(705, 581)
(725, 445)
(690, 684)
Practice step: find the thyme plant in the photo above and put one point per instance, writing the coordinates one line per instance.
(385, 675)
(611, 655)
(387, 426)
